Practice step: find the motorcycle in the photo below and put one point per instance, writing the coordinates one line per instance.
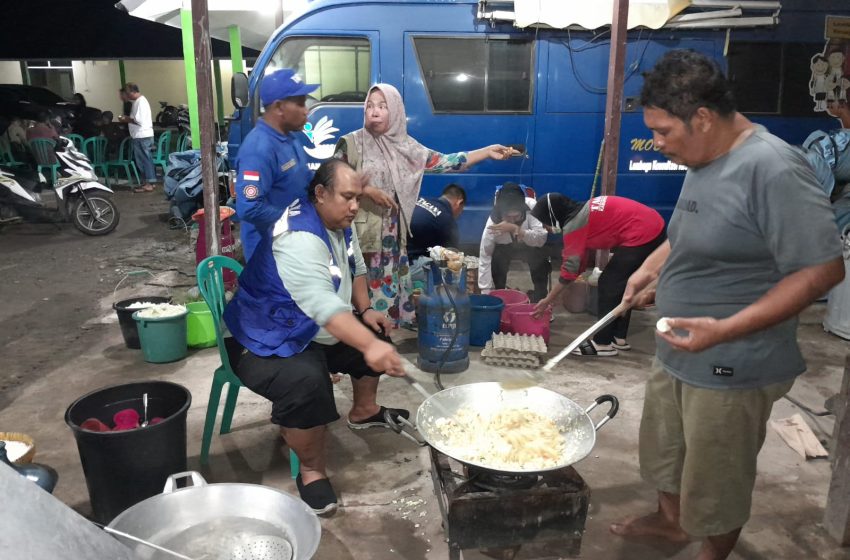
(77, 196)
(167, 115)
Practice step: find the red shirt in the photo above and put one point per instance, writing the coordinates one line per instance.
(613, 221)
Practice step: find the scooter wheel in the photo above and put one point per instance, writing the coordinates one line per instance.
(95, 215)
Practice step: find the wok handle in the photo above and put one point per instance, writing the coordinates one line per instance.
(404, 428)
(612, 412)
(171, 481)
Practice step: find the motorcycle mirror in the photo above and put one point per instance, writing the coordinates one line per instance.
(239, 90)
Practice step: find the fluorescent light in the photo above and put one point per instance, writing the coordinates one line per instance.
(462, 77)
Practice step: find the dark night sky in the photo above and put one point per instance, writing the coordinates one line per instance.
(87, 30)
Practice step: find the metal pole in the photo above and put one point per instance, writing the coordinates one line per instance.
(613, 103)
(201, 31)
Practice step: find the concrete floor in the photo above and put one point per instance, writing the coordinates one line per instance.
(388, 507)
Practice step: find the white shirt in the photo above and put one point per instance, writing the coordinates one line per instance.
(535, 235)
(141, 113)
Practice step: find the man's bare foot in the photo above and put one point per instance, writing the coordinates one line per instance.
(652, 525)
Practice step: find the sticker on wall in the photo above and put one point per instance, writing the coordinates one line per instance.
(830, 78)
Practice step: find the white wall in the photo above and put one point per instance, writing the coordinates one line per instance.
(98, 81)
(10, 72)
(159, 80)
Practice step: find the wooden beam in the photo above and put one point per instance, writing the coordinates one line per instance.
(614, 104)
(614, 99)
(203, 66)
(836, 517)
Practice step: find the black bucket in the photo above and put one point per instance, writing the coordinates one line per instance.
(123, 468)
(125, 318)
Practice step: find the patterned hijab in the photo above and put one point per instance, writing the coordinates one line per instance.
(394, 161)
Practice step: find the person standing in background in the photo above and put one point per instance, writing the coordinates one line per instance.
(271, 169)
(140, 123)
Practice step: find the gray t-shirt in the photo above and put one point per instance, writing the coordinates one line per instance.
(742, 223)
(303, 263)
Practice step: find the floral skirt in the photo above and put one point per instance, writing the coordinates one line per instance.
(390, 289)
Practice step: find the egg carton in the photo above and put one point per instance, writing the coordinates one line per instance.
(522, 343)
(510, 358)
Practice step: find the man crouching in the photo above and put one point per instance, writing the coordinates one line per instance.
(302, 311)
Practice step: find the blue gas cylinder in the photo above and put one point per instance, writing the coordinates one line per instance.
(443, 315)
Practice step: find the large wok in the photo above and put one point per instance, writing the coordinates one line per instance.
(573, 421)
(220, 521)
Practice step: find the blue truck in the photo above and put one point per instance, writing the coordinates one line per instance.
(468, 81)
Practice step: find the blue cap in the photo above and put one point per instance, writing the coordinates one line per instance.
(281, 84)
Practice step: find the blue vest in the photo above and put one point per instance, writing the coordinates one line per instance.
(262, 316)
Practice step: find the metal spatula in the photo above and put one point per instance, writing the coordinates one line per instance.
(613, 314)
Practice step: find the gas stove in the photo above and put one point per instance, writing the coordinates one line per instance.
(487, 510)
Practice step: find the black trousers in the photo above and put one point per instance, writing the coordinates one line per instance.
(612, 284)
(538, 265)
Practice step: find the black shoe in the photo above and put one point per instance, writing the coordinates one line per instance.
(319, 495)
(378, 420)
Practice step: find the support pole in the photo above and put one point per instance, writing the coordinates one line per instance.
(836, 518)
(200, 27)
(219, 101)
(122, 73)
(614, 103)
(25, 73)
(236, 61)
(189, 66)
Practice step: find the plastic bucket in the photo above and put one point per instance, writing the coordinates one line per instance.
(125, 318)
(510, 297)
(126, 467)
(522, 322)
(200, 328)
(163, 338)
(485, 319)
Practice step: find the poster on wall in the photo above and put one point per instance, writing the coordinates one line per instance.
(830, 78)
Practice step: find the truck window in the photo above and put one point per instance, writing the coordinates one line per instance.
(339, 64)
(476, 75)
(772, 78)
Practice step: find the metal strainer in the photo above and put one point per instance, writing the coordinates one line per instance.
(264, 547)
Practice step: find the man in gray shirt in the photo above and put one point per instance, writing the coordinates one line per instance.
(751, 243)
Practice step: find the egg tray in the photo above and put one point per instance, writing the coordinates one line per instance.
(519, 343)
(509, 358)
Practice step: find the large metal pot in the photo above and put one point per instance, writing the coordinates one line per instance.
(217, 520)
(573, 421)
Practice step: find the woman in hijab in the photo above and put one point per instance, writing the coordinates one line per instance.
(512, 232)
(393, 164)
(629, 228)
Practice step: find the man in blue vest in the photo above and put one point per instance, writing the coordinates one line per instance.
(302, 311)
(272, 166)
(434, 222)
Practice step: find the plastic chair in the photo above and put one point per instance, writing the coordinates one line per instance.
(163, 148)
(7, 158)
(124, 161)
(95, 150)
(44, 152)
(211, 285)
(182, 142)
(78, 141)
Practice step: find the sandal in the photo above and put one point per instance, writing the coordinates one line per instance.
(378, 420)
(590, 349)
(621, 344)
(144, 189)
(319, 495)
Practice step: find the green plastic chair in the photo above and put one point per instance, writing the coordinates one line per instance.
(95, 150)
(7, 158)
(78, 141)
(44, 152)
(163, 148)
(182, 142)
(124, 161)
(211, 285)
